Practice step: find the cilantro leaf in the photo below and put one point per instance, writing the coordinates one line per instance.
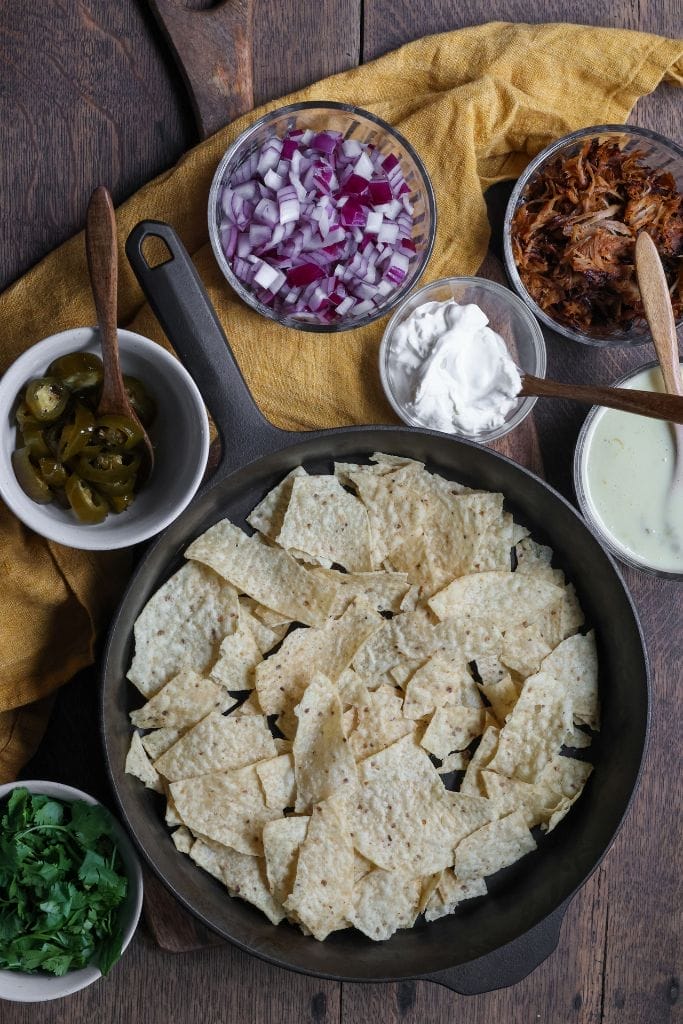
(61, 885)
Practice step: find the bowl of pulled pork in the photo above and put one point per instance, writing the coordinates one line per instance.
(571, 226)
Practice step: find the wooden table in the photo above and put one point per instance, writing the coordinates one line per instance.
(89, 94)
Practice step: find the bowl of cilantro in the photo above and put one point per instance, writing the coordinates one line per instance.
(70, 891)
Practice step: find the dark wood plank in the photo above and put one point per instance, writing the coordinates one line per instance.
(296, 44)
(89, 96)
(216, 986)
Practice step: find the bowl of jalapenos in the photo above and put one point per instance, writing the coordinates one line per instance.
(81, 478)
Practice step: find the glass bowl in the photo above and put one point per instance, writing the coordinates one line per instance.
(508, 316)
(660, 153)
(354, 124)
(582, 486)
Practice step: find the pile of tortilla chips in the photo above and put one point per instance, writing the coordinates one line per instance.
(360, 711)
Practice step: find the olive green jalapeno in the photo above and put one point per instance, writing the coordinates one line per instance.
(80, 371)
(68, 454)
(46, 398)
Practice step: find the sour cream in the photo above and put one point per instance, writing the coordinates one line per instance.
(451, 371)
(627, 465)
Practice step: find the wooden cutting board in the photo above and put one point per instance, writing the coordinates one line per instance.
(213, 51)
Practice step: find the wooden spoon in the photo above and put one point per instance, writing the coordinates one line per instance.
(659, 313)
(644, 403)
(100, 247)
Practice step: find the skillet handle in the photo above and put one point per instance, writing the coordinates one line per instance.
(179, 301)
(507, 965)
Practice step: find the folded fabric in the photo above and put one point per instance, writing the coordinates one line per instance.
(476, 104)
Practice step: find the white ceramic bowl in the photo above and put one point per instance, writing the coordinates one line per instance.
(180, 435)
(38, 988)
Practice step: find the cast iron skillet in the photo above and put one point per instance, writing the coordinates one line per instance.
(490, 942)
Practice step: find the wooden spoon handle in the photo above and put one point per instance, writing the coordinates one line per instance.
(101, 250)
(213, 50)
(658, 311)
(644, 403)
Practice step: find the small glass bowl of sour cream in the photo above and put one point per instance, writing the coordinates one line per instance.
(623, 468)
(451, 354)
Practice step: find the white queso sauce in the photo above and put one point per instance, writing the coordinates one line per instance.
(627, 469)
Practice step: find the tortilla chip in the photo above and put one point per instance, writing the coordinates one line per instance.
(217, 744)
(428, 885)
(495, 599)
(576, 739)
(394, 829)
(139, 765)
(181, 627)
(250, 706)
(266, 636)
(278, 782)
(440, 682)
(361, 866)
(323, 762)
(323, 521)
(384, 591)
(323, 890)
(452, 891)
(238, 657)
(472, 785)
(493, 847)
(380, 723)
(182, 839)
(574, 664)
(171, 817)
(535, 730)
(226, 806)
(158, 741)
(273, 620)
(282, 678)
(448, 543)
(244, 876)
(494, 552)
(502, 696)
(452, 728)
(457, 761)
(525, 647)
(268, 574)
(281, 841)
(383, 902)
(181, 702)
(409, 635)
(351, 689)
(268, 516)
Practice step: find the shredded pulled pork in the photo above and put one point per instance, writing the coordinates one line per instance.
(573, 236)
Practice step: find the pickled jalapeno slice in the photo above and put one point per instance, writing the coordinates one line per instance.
(75, 436)
(109, 468)
(68, 454)
(80, 371)
(53, 472)
(89, 506)
(143, 404)
(118, 432)
(46, 398)
(29, 478)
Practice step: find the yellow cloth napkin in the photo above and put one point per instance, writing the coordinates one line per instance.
(476, 104)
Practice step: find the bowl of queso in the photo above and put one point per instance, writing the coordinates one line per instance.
(623, 473)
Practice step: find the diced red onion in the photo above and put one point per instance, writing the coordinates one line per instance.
(319, 226)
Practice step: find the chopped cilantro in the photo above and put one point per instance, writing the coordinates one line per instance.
(61, 885)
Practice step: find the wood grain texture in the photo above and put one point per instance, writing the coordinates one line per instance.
(88, 94)
(212, 49)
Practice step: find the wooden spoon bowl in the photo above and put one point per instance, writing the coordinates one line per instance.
(101, 250)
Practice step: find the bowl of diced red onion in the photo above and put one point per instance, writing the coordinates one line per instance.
(322, 216)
